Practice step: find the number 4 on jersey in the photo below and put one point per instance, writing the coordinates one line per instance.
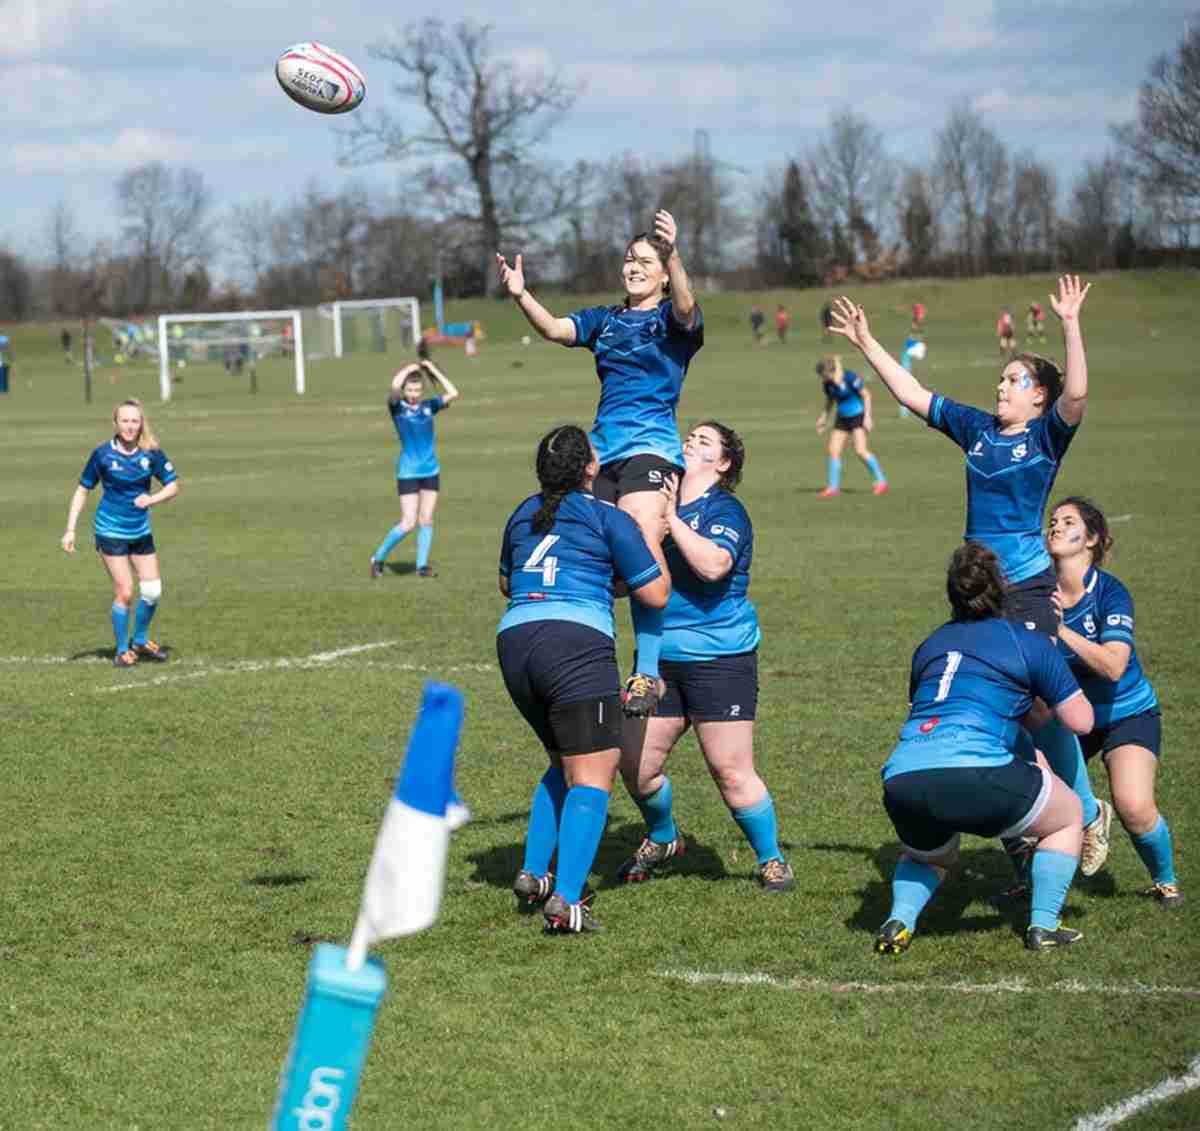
(539, 563)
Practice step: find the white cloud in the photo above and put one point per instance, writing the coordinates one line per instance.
(132, 146)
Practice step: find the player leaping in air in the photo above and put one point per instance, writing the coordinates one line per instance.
(642, 348)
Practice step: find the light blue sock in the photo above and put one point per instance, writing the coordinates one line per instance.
(424, 541)
(141, 623)
(647, 626)
(1156, 852)
(913, 885)
(120, 626)
(761, 828)
(544, 815)
(394, 537)
(835, 474)
(656, 811)
(1052, 874)
(1063, 752)
(875, 469)
(584, 813)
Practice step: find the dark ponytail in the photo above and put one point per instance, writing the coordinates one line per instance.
(1094, 522)
(562, 459)
(732, 449)
(975, 583)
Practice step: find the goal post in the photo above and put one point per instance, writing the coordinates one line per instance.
(288, 317)
(408, 308)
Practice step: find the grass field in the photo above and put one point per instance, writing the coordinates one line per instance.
(175, 838)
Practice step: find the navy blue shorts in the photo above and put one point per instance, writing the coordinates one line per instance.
(424, 483)
(848, 423)
(1028, 603)
(1143, 730)
(564, 680)
(724, 689)
(929, 808)
(629, 476)
(123, 547)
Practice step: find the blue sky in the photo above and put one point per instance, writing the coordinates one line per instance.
(95, 86)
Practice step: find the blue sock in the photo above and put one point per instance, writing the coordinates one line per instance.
(656, 811)
(1156, 852)
(394, 537)
(875, 469)
(835, 474)
(544, 814)
(141, 623)
(913, 885)
(1063, 753)
(120, 625)
(424, 541)
(1052, 874)
(584, 813)
(761, 829)
(647, 626)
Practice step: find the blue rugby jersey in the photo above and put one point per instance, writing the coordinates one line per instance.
(567, 572)
(1009, 479)
(124, 477)
(1104, 613)
(706, 619)
(414, 425)
(848, 395)
(970, 685)
(642, 359)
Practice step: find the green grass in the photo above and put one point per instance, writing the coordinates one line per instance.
(171, 848)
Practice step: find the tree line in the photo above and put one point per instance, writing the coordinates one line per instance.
(844, 207)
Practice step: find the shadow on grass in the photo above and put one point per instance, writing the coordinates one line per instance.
(93, 654)
(400, 567)
(279, 879)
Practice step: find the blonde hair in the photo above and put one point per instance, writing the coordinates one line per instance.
(831, 367)
(146, 440)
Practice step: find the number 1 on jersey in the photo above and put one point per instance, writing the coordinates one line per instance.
(538, 562)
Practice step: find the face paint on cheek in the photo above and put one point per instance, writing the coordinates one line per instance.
(1075, 539)
(1025, 383)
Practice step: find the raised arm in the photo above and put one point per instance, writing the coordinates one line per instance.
(1073, 399)
(78, 502)
(560, 330)
(449, 392)
(683, 302)
(850, 320)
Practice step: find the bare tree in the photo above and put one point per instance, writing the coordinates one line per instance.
(62, 237)
(249, 238)
(917, 221)
(1031, 219)
(164, 212)
(487, 114)
(971, 171)
(1096, 213)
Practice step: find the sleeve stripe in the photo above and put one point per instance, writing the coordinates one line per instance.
(648, 574)
(1077, 691)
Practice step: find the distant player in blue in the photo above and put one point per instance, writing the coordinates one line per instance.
(709, 663)
(642, 347)
(953, 770)
(1096, 638)
(1013, 457)
(418, 477)
(913, 350)
(848, 405)
(125, 467)
(563, 552)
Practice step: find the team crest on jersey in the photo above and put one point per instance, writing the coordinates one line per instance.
(116, 466)
(1089, 625)
(1114, 619)
(145, 463)
(1020, 451)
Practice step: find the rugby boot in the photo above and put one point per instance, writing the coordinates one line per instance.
(776, 875)
(1094, 850)
(563, 918)
(1042, 938)
(893, 938)
(648, 859)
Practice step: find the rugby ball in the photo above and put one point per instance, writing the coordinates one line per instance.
(917, 350)
(320, 79)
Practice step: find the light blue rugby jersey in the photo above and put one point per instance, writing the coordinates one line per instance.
(124, 477)
(970, 685)
(414, 425)
(567, 572)
(848, 395)
(707, 619)
(1104, 613)
(1009, 479)
(642, 359)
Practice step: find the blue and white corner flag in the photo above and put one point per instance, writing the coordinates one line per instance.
(408, 868)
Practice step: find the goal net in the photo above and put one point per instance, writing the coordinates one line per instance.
(376, 325)
(198, 349)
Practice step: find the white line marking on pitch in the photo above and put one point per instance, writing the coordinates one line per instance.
(1004, 986)
(1121, 518)
(1164, 1090)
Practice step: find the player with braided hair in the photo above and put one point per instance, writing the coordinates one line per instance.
(562, 554)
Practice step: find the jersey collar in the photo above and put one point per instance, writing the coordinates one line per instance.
(1090, 578)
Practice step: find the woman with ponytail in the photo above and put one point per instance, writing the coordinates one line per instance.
(125, 467)
(562, 555)
(953, 770)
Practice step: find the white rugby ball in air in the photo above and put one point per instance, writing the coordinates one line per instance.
(320, 79)
(917, 350)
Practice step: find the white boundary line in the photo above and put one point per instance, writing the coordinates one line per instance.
(1004, 986)
(1164, 1090)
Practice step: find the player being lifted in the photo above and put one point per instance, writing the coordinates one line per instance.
(642, 347)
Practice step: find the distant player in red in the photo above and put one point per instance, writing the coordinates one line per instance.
(1005, 332)
(1035, 322)
(918, 316)
(781, 323)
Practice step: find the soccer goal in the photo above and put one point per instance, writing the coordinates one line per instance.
(201, 345)
(375, 325)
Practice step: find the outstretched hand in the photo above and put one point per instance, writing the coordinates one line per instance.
(513, 277)
(1070, 297)
(850, 320)
(665, 227)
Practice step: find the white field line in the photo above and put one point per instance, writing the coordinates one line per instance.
(1003, 986)
(1164, 1090)
(1121, 518)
